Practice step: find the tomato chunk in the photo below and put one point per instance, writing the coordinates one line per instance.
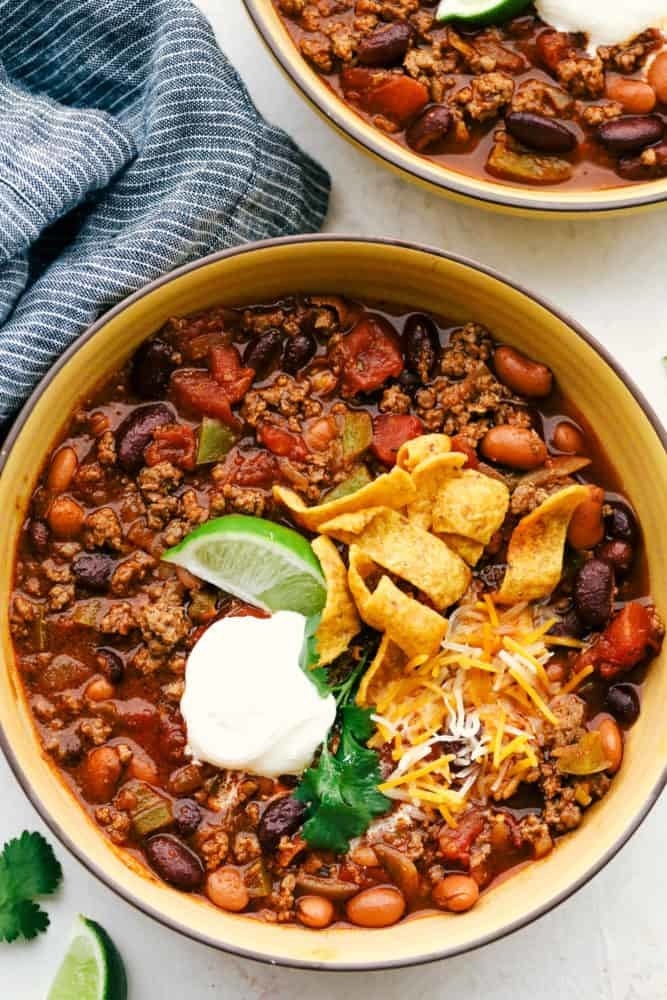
(370, 354)
(461, 444)
(390, 431)
(227, 370)
(196, 390)
(382, 92)
(253, 468)
(628, 639)
(456, 844)
(283, 442)
(173, 443)
(553, 47)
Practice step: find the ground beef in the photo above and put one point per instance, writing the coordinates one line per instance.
(237, 500)
(486, 95)
(131, 571)
(582, 77)
(466, 347)
(102, 529)
(630, 56)
(119, 619)
(394, 400)
(318, 50)
(542, 98)
(470, 403)
(156, 481)
(163, 621)
(106, 449)
(286, 396)
(597, 114)
(212, 845)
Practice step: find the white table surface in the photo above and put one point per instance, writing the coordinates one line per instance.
(609, 941)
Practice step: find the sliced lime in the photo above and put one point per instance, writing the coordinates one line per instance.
(259, 561)
(480, 12)
(92, 969)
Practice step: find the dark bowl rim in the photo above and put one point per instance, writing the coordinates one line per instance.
(23, 777)
(450, 183)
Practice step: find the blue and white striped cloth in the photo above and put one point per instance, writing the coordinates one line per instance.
(128, 146)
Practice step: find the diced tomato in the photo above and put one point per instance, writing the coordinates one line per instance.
(455, 844)
(259, 470)
(553, 47)
(227, 370)
(173, 443)
(461, 444)
(390, 431)
(196, 390)
(370, 354)
(396, 96)
(282, 442)
(632, 634)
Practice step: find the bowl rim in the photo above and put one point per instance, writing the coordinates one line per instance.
(68, 841)
(354, 128)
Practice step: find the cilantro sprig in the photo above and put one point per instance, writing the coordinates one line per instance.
(28, 868)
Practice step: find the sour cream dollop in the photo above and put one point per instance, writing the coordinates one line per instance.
(606, 22)
(247, 703)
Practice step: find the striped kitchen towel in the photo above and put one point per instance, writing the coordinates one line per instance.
(128, 146)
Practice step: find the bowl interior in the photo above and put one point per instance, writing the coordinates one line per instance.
(527, 199)
(402, 275)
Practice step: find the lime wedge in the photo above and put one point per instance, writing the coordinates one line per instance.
(259, 561)
(480, 12)
(92, 969)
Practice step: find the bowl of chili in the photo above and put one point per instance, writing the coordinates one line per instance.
(84, 681)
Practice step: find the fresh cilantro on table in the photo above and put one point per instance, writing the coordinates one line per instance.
(28, 868)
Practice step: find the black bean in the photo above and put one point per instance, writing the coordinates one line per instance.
(263, 353)
(637, 168)
(421, 345)
(136, 432)
(299, 350)
(111, 664)
(631, 133)
(386, 45)
(152, 365)
(540, 133)
(430, 128)
(594, 592)
(620, 522)
(187, 817)
(281, 818)
(39, 535)
(618, 554)
(174, 862)
(623, 702)
(93, 570)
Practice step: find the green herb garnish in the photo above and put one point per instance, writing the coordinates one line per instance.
(28, 868)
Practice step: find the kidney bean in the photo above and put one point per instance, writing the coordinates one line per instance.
(586, 528)
(151, 369)
(314, 911)
(281, 818)
(110, 664)
(39, 535)
(623, 702)
(93, 570)
(657, 76)
(421, 345)
(101, 773)
(136, 432)
(263, 353)
(612, 743)
(61, 470)
(386, 45)
(568, 438)
(619, 554)
(521, 374)
(226, 888)
(457, 893)
(99, 689)
(379, 906)
(65, 517)
(539, 132)
(620, 522)
(637, 97)
(174, 862)
(631, 133)
(187, 817)
(429, 128)
(515, 447)
(299, 350)
(651, 164)
(594, 593)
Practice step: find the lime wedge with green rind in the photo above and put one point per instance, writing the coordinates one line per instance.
(480, 12)
(259, 561)
(92, 969)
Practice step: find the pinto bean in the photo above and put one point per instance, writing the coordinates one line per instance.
(151, 369)
(457, 893)
(386, 45)
(136, 432)
(431, 127)
(93, 570)
(226, 888)
(62, 470)
(65, 517)
(99, 689)
(174, 862)
(314, 911)
(612, 743)
(594, 593)
(143, 768)
(568, 438)
(101, 773)
(281, 818)
(540, 133)
(263, 353)
(631, 133)
(515, 447)
(521, 374)
(380, 906)
(421, 345)
(586, 528)
(657, 76)
(637, 97)
(299, 350)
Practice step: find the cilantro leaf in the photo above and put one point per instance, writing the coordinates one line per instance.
(28, 867)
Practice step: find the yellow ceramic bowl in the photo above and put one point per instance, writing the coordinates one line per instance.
(414, 277)
(525, 200)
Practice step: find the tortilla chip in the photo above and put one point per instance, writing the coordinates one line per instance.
(398, 545)
(392, 489)
(339, 622)
(469, 550)
(388, 665)
(410, 624)
(471, 504)
(428, 477)
(412, 452)
(535, 552)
